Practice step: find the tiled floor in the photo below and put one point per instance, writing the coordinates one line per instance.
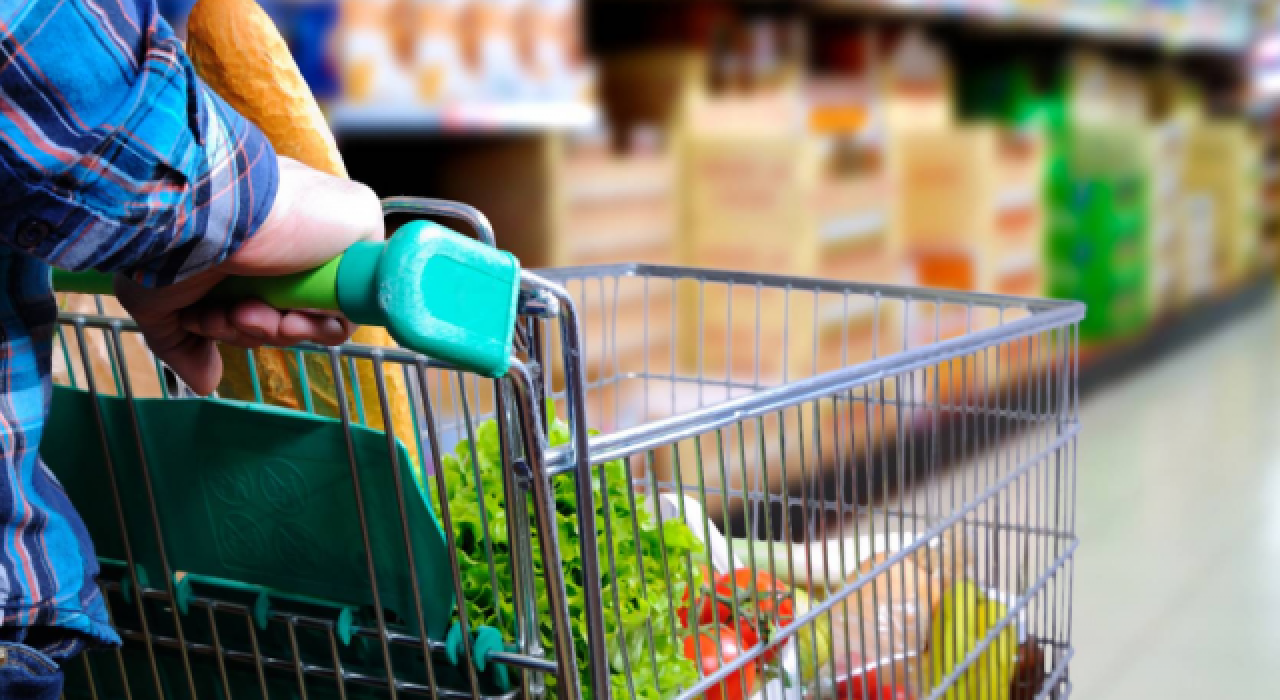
(1178, 575)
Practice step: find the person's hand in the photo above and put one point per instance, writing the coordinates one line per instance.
(315, 218)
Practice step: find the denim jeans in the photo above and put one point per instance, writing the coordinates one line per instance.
(31, 662)
(27, 673)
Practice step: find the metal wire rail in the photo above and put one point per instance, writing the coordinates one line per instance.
(815, 439)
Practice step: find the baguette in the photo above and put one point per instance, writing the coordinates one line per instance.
(239, 53)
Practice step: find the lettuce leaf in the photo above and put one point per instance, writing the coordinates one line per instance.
(642, 630)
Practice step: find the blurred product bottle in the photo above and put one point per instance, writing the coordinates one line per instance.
(553, 58)
(763, 62)
(489, 38)
(439, 70)
(727, 62)
(371, 71)
(919, 85)
(795, 50)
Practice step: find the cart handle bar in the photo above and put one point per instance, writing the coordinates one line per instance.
(435, 291)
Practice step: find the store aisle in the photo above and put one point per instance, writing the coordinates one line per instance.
(1178, 574)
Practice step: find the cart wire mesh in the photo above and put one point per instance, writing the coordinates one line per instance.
(899, 462)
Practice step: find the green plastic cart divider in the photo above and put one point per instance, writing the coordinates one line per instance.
(252, 494)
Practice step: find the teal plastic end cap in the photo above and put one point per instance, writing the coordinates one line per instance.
(262, 610)
(452, 641)
(344, 627)
(450, 297)
(126, 585)
(182, 592)
(489, 640)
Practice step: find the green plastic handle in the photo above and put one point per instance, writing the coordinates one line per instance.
(82, 282)
(436, 292)
(312, 289)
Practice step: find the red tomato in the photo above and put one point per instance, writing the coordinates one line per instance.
(747, 635)
(705, 605)
(737, 685)
(760, 601)
(758, 590)
(757, 595)
(683, 612)
(704, 601)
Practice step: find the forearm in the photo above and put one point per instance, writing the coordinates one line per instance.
(151, 175)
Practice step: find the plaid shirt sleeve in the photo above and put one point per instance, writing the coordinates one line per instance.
(115, 156)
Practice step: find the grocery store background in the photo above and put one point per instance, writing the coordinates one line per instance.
(1116, 152)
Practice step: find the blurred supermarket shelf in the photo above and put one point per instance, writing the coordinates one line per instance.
(1102, 365)
(877, 474)
(854, 227)
(360, 120)
(1207, 28)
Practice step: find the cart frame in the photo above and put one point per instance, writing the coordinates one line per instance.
(558, 360)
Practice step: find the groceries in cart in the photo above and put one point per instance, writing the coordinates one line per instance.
(646, 653)
(328, 557)
(271, 550)
(916, 620)
(379, 521)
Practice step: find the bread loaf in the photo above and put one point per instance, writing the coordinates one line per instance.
(240, 54)
(105, 362)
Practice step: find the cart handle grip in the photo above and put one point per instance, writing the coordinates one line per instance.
(310, 289)
(437, 292)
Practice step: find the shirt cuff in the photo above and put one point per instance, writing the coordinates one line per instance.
(176, 217)
(229, 201)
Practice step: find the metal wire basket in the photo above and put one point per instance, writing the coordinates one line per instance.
(894, 468)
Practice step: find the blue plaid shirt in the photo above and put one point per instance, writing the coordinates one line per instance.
(114, 156)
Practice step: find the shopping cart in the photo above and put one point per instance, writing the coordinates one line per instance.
(893, 467)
